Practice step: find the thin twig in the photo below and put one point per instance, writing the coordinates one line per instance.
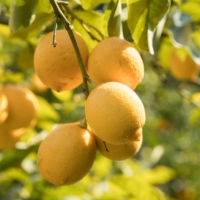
(59, 14)
(85, 25)
(54, 32)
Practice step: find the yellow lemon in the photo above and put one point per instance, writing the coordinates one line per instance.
(66, 155)
(3, 107)
(182, 66)
(118, 152)
(115, 59)
(58, 67)
(23, 107)
(115, 113)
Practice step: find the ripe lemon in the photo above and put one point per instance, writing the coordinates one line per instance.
(115, 113)
(182, 66)
(115, 59)
(118, 152)
(58, 67)
(8, 139)
(66, 155)
(23, 107)
(3, 107)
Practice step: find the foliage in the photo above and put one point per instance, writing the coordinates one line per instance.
(167, 165)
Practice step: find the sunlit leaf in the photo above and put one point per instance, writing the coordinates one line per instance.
(39, 23)
(93, 18)
(112, 19)
(90, 4)
(143, 18)
(178, 1)
(195, 98)
(63, 96)
(195, 116)
(133, 186)
(196, 36)
(91, 43)
(101, 166)
(159, 175)
(46, 125)
(21, 14)
(114, 190)
(12, 77)
(25, 57)
(14, 157)
(43, 6)
(165, 51)
(46, 110)
(4, 30)
(191, 7)
(17, 174)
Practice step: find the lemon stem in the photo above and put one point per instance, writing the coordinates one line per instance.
(59, 14)
(83, 123)
(105, 146)
(54, 32)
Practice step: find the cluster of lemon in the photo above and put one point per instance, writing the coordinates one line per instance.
(115, 114)
(18, 110)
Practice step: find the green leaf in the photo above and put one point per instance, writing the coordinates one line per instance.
(195, 113)
(131, 186)
(12, 77)
(43, 7)
(4, 30)
(25, 57)
(157, 11)
(14, 157)
(113, 19)
(36, 27)
(101, 166)
(195, 98)
(143, 18)
(114, 190)
(93, 18)
(46, 110)
(90, 4)
(165, 51)
(192, 8)
(21, 14)
(195, 116)
(63, 96)
(158, 175)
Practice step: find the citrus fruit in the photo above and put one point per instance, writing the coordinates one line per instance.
(118, 152)
(23, 107)
(66, 155)
(3, 107)
(182, 66)
(21, 14)
(115, 113)
(8, 139)
(115, 59)
(58, 67)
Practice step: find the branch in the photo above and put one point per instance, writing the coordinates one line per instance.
(59, 14)
(85, 25)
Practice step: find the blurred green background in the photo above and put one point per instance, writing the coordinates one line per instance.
(167, 165)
